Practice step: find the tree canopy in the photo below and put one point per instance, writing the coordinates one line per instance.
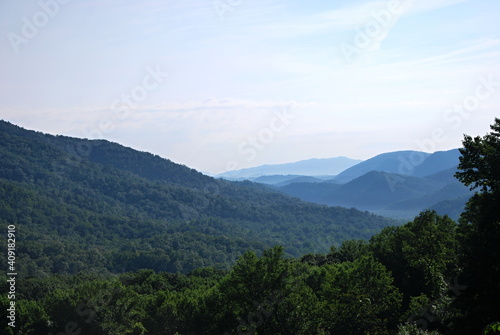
(92, 268)
(480, 226)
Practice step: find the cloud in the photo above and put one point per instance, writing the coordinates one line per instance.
(344, 18)
(473, 47)
(422, 6)
(96, 122)
(221, 103)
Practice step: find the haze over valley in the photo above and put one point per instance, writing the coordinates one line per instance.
(221, 167)
(397, 184)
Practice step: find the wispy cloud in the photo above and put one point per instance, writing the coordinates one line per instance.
(477, 48)
(264, 55)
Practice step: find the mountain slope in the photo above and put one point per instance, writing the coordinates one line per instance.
(400, 162)
(437, 162)
(98, 205)
(453, 208)
(392, 195)
(314, 192)
(448, 192)
(280, 180)
(376, 190)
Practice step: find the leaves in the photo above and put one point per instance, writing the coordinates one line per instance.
(493, 328)
(395, 283)
(480, 161)
(96, 205)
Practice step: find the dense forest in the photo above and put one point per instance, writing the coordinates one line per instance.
(429, 276)
(96, 205)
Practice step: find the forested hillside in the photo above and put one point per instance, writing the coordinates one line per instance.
(349, 290)
(431, 275)
(82, 205)
(389, 194)
(405, 280)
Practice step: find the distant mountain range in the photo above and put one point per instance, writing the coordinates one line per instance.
(412, 163)
(395, 184)
(310, 167)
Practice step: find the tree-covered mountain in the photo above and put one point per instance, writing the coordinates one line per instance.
(399, 162)
(430, 184)
(431, 275)
(389, 194)
(404, 280)
(283, 180)
(437, 162)
(410, 163)
(91, 204)
(395, 184)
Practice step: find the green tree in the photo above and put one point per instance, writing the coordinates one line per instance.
(479, 168)
(422, 254)
(359, 298)
(349, 251)
(493, 328)
(253, 282)
(4, 321)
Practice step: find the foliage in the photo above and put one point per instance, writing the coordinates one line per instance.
(480, 161)
(420, 254)
(408, 329)
(480, 231)
(347, 291)
(97, 258)
(493, 328)
(96, 205)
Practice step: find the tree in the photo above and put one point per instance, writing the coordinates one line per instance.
(480, 161)
(420, 254)
(359, 298)
(480, 226)
(248, 296)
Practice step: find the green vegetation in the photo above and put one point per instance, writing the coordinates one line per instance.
(480, 230)
(358, 288)
(94, 205)
(428, 276)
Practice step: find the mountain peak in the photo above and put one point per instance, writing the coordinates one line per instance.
(406, 162)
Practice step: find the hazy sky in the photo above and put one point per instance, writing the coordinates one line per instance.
(227, 84)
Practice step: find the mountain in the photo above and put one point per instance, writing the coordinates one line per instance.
(389, 194)
(445, 176)
(373, 190)
(449, 192)
(437, 162)
(280, 180)
(453, 208)
(411, 163)
(398, 162)
(95, 205)
(314, 192)
(395, 184)
(310, 167)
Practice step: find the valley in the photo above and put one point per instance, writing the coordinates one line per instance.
(397, 184)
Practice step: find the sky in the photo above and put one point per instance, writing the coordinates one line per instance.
(229, 84)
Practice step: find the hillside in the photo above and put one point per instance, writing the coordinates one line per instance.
(410, 163)
(73, 233)
(389, 194)
(281, 180)
(83, 204)
(400, 162)
(437, 162)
